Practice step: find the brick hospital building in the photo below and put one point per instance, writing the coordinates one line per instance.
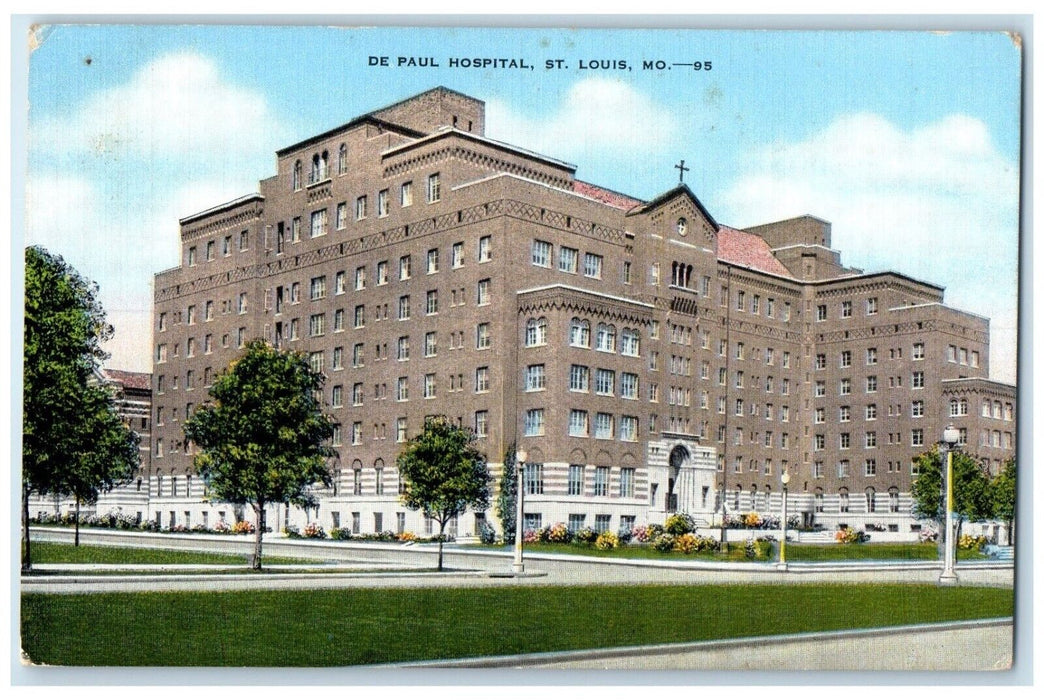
(641, 353)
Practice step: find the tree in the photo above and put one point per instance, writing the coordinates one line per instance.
(507, 495)
(262, 437)
(72, 438)
(443, 473)
(971, 492)
(1002, 490)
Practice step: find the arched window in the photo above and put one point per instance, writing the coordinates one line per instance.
(871, 500)
(629, 342)
(536, 332)
(314, 176)
(963, 408)
(159, 484)
(580, 333)
(842, 497)
(188, 485)
(893, 499)
(753, 496)
(173, 485)
(342, 159)
(817, 500)
(953, 407)
(296, 180)
(606, 338)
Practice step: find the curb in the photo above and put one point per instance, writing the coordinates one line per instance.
(522, 660)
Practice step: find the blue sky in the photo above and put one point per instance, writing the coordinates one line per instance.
(908, 142)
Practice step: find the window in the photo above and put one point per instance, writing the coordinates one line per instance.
(629, 385)
(481, 380)
(534, 422)
(871, 411)
(845, 441)
(871, 384)
(579, 378)
(871, 356)
(568, 259)
(821, 361)
(629, 428)
(918, 351)
(845, 387)
(601, 481)
(606, 338)
(845, 414)
(483, 339)
(430, 344)
(431, 306)
(457, 255)
(429, 386)
(917, 437)
(820, 415)
(485, 249)
(540, 254)
(592, 265)
(210, 250)
(315, 359)
(404, 307)
(295, 230)
(578, 427)
(318, 223)
(481, 423)
(482, 292)
(821, 312)
(382, 203)
(317, 288)
(917, 409)
(535, 378)
(629, 342)
(819, 442)
(316, 325)
(871, 306)
(846, 309)
(846, 358)
(604, 426)
(627, 482)
(402, 389)
(404, 267)
(580, 333)
(338, 320)
(605, 380)
(360, 316)
(241, 305)
(917, 380)
(576, 484)
(406, 194)
(533, 477)
(434, 188)
(871, 440)
(536, 332)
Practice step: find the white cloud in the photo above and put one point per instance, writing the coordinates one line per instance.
(939, 203)
(597, 116)
(177, 106)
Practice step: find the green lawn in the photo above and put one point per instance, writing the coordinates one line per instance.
(61, 553)
(736, 552)
(362, 626)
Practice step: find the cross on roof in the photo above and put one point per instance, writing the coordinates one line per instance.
(681, 171)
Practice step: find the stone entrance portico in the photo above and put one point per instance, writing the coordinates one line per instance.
(681, 478)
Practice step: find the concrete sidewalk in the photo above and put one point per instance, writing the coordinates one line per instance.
(981, 645)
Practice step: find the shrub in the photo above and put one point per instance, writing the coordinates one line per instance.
(607, 540)
(243, 527)
(407, 536)
(928, 534)
(686, 543)
(222, 527)
(585, 536)
(752, 519)
(624, 536)
(848, 536)
(664, 542)
(292, 531)
(640, 533)
(559, 534)
(340, 533)
(487, 534)
(752, 549)
(314, 531)
(679, 524)
(971, 542)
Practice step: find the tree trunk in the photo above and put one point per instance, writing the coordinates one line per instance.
(27, 559)
(442, 528)
(256, 561)
(76, 537)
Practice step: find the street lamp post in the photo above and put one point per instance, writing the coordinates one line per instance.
(949, 440)
(782, 565)
(520, 464)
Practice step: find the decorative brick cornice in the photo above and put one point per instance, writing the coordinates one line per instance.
(233, 219)
(561, 298)
(472, 156)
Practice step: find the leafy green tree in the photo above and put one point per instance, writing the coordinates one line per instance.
(443, 473)
(72, 439)
(1002, 489)
(507, 495)
(263, 437)
(971, 490)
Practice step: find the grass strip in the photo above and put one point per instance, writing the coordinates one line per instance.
(364, 626)
(61, 553)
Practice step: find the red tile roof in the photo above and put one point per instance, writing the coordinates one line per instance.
(613, 199)
(129, 380)
(749, 250)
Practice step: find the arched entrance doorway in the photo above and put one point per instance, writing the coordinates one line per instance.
(678, 458)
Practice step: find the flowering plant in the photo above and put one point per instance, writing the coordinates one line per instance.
(971, 542)
(752, 519)
(752, 549)
(679, 524)
(928, 534)
(314, 531)
(531, 536)
(221, 526)
(586, 536)
(607, 540)
(559, 533)
(243, 527)
(663, 542)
